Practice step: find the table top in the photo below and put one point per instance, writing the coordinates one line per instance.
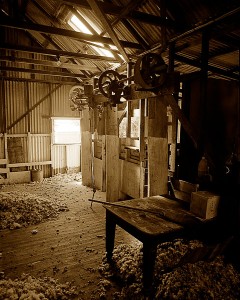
(155, 216)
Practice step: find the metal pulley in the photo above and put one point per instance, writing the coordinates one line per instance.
(150, 71)
(111, 84)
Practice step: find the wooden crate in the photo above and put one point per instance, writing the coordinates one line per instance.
(183, 189)
(204, 204)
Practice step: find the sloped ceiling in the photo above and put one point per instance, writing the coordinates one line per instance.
(191, 35)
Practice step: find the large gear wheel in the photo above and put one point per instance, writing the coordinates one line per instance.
(150, 71)
(111, 84)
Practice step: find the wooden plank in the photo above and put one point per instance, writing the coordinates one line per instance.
(98, 173)
(157, 165)
(130, 183)
(142, 153)
(111, 121)
(86, 158)
(157, 118)
(104, 163)
(29, 164)
(25, 134)
(4, 170)
(3, 161)
(112, 168)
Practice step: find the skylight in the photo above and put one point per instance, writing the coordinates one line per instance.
(77, 25)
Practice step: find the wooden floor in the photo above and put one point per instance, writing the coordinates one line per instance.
(69, 248)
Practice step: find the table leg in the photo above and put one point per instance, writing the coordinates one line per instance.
(110, 234)
(149, 256)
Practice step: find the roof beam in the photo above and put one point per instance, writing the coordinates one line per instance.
(43, 72)
(56, 53)
(48, 63)
(213, 69)
(112, 9)
(205, 25)
(51, 81)
(8, 22)
(121, 17)
(100, 13)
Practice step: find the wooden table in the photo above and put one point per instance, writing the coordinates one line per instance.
(173, 221)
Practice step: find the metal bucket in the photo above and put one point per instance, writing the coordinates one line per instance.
(37, 175)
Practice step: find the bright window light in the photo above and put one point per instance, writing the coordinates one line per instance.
(77, 25)
(66, 131)
(113, 47)
(93, 25)
(101, 51)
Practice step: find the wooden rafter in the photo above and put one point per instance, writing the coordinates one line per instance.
(100, 13)
(49, 63)
(121, 17)
(112, 9)
(125, 11)
(43, 72)
(8, 22)
(56, 53)
(195, 63)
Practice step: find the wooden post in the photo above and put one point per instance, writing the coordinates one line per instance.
(143, 167)
(174, 121)
(29, 139)
(86, 157)
(157, 148)
(112, 155)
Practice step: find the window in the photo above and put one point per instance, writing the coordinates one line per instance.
(134, 123)
(66, 131)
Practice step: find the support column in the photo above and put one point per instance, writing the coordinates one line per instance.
(157, 148)
(86, 149)
(112, 155)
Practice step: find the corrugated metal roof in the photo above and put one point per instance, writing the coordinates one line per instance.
(139, 22)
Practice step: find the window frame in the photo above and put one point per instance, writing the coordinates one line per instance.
(53, 131)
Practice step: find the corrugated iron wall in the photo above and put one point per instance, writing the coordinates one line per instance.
(30, 101)
(29, 109)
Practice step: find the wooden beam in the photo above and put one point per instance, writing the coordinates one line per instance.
(20, 79)
(196, 63)
(29, 164)
(43, 72)
(184, 121)
(112, 9)
(56, 53)
(125, 11)
(80, 36)
(48, 63)
(102, 17)
(206, 25)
